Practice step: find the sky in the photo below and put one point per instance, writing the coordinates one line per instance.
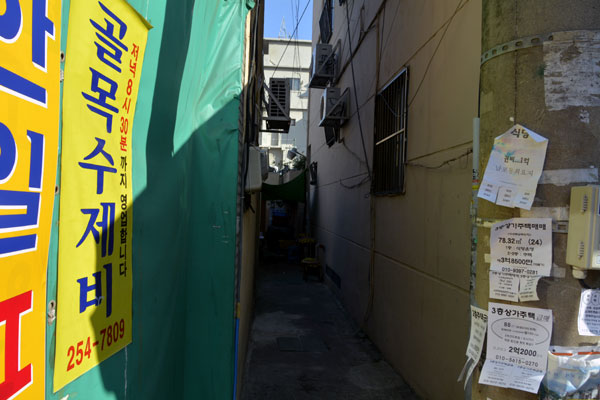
(275, 10)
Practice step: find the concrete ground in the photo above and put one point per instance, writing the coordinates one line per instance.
(304, 346)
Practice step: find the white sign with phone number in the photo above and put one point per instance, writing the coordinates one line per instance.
(522, 246)
(517, 347)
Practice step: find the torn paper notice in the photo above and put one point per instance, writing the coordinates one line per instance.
(571, 70)
(475, 346)
(528, 288)
(479, 318)
(504, 286)
(517, 347)
(513, 287)
(522, 246)
(588, 320)
(514, 168)
(573, 373)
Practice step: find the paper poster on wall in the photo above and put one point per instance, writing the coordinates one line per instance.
(517, 347)
(504, 286)
(514, 168)
(588, 320)
(29, 115)
(105, 51)
(522, 246)
(478, 328)
(513, 287)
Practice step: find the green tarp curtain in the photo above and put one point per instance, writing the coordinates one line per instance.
(294, 190)
(185, 163)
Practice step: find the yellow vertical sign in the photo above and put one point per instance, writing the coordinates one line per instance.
(105, 50)
(29, 111)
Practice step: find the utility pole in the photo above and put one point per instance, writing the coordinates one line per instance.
(545, 75)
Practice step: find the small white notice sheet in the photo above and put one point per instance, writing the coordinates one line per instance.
(588, 320)
(504, 286)
(517, 347)
(478, 327)
(514, 168)
(522, 246)
(513, 287)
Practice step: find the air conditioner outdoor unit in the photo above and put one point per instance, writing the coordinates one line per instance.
(322, 67)
(334, 107)
(278, 111)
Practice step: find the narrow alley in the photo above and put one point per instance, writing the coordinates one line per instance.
(304, 346)
(299, 200)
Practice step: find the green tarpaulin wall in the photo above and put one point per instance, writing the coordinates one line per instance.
(185, 165)
(294, 190)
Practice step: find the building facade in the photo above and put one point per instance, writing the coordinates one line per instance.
(392, 194)
(290, 59)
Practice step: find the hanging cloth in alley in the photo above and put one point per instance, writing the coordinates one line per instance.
(294, 190)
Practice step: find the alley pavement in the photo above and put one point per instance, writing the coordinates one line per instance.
(304, 346)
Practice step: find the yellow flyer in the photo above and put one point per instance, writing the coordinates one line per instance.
(105, 50)
(29, 111)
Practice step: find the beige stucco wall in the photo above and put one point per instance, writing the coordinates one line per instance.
(422, 238)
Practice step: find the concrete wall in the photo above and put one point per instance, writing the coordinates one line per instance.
(421, 251)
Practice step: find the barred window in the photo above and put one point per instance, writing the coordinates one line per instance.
(326, 21)
(389, 157)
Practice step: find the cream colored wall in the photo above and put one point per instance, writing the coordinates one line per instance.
(422, 239)
(250, 218)
(248, 264)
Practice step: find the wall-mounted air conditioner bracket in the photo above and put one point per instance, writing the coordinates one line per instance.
(341, 109)
(279, 106)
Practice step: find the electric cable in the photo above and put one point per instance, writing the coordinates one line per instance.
(465, 154)
(293, 33)
(362, 182)
(362, 137)
(458, 8)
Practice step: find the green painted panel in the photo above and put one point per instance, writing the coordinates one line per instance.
(185, 163)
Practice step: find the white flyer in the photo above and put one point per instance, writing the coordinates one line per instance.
(478, 328)
(517, 347)
(504, 286)
(514, 168)
(528, 288)
(522, 246)
(513, 287)
(479, 318)
(588, 320)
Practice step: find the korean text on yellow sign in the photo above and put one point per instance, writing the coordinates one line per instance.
(105, 49)
(29, 110)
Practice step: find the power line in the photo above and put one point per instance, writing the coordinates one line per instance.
(465, 154)
(362, 137)
(458, 8)
(288, 42)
